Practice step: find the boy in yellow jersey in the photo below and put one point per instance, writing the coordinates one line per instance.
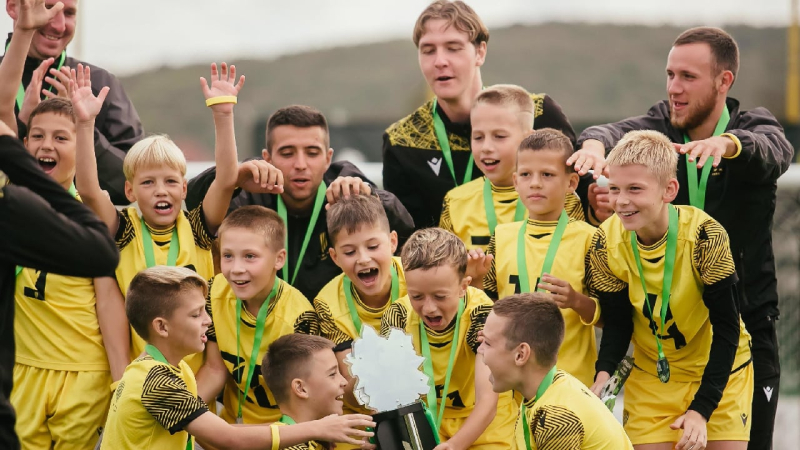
(154, 171)
(547, 251)
(444, 314)
(156, 405)
(501, 117)
(70, 332)
(362, 246)
(250, 307)
(303, 373)
(520, 346)
(691, 349)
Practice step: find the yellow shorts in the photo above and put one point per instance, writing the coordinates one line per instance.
(60, 408)
(499, 434)
(651, 406)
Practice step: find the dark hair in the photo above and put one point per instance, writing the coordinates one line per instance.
(298, 116)
(353, 212)
(155, 292)
(535, 319)
(287, 358)
(723, 47)
(457, 14)
(56, 105)
(259, 220)
(433, 247)
(549, 139)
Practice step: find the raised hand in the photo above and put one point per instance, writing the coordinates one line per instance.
(33, 14)
(33, 94)
(591, 156)
(713, 148)
(222, 84)
(85, 104)
(59, 79)
(345, 429)
(259, 176)
(478, 265)
(344, 187)
(5, 130)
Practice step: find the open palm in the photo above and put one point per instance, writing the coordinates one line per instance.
(33, 14)
(222, 84)
(84, 102)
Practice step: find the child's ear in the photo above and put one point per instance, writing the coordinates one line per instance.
(129, 192)
(185, 187)
(522, 354)
(514, 178)
(671, 191)
(280, 259)
(465, 282)
(574, 179)
(332, 253)
(299, 388)
(161, 327)
(393, 241)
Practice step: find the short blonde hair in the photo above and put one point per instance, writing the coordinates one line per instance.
(509, 96)
(433, 247)
(457, 14)
(647, 148)
(153, 151)
(259, 220)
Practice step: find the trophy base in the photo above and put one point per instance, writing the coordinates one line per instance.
(405, 428)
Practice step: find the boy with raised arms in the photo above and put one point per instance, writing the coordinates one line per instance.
(155, 170)
(156, 405)
(501, 117)
(546, 252)
(250, 308)
(444, 314)
(520, 346)
(665, 279)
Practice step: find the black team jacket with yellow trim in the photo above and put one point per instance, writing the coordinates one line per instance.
(413, 165)
(740, 193)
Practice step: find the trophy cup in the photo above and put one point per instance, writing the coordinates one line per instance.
(389, 382)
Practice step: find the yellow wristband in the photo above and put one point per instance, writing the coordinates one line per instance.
(735, 141)
(221, 99)
(276, 437)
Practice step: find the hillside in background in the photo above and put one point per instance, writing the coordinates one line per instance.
(598, 73)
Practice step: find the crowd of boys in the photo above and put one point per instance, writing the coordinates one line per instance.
(226, 324)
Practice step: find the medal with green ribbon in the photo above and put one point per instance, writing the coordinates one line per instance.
(351, 305)
(318, 201)
(546, 382)
(261, 318)
(697, 192)
(151, 350)
(147, 243)
(444, 142)
(488, 205)
(662, 365)
(552, 249)
(73, 192)
(428, 365)
(286, 420)
(21, 89)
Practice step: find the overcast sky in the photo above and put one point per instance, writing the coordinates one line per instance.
(127, 36)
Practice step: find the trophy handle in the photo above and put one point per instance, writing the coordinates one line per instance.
(413, 433)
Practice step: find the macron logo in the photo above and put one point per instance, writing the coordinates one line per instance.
(768, 393)
(436, 165)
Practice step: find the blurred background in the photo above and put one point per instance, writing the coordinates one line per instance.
(354, 60)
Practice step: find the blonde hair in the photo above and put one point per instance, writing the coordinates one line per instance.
(153, 151)
(647, 148)
(433, 247)
(256, 219)
(509, 96)
(457, 14)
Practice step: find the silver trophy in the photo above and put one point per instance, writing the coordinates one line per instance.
(389, 381)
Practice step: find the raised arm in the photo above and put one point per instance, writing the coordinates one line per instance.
(765, 152)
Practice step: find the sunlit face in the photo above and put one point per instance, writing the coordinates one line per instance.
(51, 39)
(248, 263)
(542, 182)
(365, 257)
(496, 134)
(51, 140)
(187, 325)
(325, 384)
(435, 294)
(159, 190)
(303, 156)
(497, 356)
(692, 85)
(449, 61)
(638, 197)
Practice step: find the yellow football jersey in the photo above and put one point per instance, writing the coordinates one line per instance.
(153, 404)
(578, 352)
(460, 397)
(310, 445)
(703, 258)
(464, 212)
(195, 253)
(569, 416)
(289, 312)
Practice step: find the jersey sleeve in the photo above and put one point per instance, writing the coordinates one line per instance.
(477, 319)
(395, 316)
(211, 333)
(712, 256)
(125, 230)
(490, 280)
(574, 208)
(168, 400)
(557, 428)
(307, 323)
(445, 222)
(599, 277)
(328, 328)
(197, 219)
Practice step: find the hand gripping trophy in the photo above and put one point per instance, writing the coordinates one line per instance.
(389, 381)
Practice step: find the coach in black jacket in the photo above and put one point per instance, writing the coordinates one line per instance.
(749, 154)
(43, 227)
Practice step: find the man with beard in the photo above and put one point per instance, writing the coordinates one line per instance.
(729, 164)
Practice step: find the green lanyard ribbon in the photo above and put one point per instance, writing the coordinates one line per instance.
(488, 205)
(261, 319)
(351, 306)
(318, 201)
(287, 420)
(444, 143)
(151, 350)
(662, 366)
(546, 382)
(697, 192)
(21, 89)
(147, 243)
(428, 364)
(73, 192)
(552, 249)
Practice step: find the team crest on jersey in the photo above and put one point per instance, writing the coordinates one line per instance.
(323, 245)
(436, 165)
(744, 419)
(717, 171)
